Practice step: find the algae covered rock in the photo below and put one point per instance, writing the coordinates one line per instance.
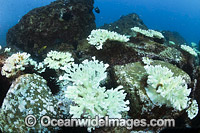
(28, 95)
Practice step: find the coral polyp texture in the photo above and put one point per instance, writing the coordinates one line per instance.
(148, 33)
(189, 50)
(28, 95)
(100, 36)
(56, 60)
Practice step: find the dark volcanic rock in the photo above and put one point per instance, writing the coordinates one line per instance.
(125, 23)
(174, 36)
(63, 21)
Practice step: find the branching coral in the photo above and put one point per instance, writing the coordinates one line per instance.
(89, 73)
(99, 36)
(96, 101)
(55, 59)
(89, 98)
(165, 89)
(15, 63)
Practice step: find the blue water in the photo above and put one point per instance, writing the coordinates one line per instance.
(182, 16)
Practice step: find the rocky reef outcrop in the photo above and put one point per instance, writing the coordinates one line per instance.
(174, 37)
(62, 21)
(125, 23)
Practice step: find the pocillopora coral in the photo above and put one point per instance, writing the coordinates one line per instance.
(165, 89)
(189, 50)
(28, 95)
(89, 98)
(17, 62)
(99, 36)
(91, 102)
(89, 73)
(56, 60)
(148, 33)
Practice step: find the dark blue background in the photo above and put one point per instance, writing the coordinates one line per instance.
(174, 15)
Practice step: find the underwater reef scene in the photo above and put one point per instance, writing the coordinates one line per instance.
(57, 63)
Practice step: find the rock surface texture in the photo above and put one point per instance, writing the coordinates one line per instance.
(62, 21)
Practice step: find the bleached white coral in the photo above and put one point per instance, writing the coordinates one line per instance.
(15, 63)
(7, 50)
(148, 33)
(89, 101)
(189, 49)
(55, 59)
(165, 89)
(93, 102)
(146, 60)
(193, 109)
(99, 36)
(89, 98)
(116, 96)
(40, 68)
(88, 73)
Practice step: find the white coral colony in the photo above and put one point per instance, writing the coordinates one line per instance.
(189, 50)
(15, 63)
(55, 59)
(89, 97)
(166, 89)
(99, 36)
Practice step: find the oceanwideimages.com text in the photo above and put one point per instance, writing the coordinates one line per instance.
(46, 121)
